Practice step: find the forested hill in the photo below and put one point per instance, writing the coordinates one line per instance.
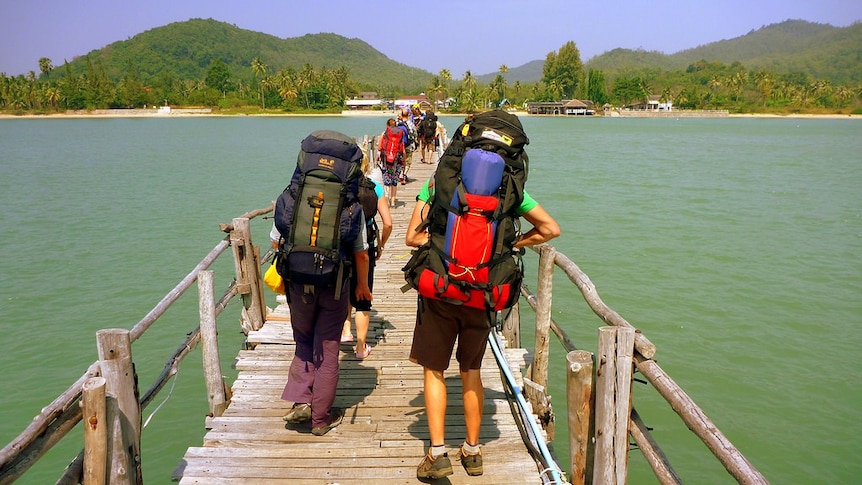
(821, 51)
(185, 50)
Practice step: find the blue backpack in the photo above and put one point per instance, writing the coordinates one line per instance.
(319, 215)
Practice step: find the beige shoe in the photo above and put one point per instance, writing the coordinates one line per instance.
(431, 468)
(471, 463)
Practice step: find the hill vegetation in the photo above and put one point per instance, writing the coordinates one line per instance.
(791, 66)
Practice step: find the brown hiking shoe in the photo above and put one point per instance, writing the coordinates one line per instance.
(431, 468)
(299, 413)
(336, 416)
(471, 463)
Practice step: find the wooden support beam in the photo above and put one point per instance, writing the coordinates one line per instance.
(209, 345)
(95, 431)
(581, 400)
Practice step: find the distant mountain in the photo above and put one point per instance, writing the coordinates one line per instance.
(819, 50)
(185, 50)
(526, 73)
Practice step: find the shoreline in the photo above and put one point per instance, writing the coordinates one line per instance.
(179, 113)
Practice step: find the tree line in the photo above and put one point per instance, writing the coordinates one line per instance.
(702, 85)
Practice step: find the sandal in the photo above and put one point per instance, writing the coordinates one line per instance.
(347, 338)
(362, 355)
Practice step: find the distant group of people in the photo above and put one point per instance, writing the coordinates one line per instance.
(320, 318)
(419, 131)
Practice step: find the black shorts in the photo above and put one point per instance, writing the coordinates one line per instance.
(362, 305)
(438, 325)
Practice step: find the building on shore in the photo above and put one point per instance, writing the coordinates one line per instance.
(568, 107)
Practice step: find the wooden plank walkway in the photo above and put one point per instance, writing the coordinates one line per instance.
(384, 434)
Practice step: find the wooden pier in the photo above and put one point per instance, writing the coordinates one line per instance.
(384, 433)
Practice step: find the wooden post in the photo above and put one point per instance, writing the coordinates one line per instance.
(613, 404)
(545, 288)
(95, 431)
(209, 344)
(248, 279)
(579, 390)
(123, 409)
(536, 386)
(512, 327)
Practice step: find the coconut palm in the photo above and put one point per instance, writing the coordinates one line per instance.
(259, 70)
(45, 66)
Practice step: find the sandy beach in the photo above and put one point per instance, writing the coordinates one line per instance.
(204, 112)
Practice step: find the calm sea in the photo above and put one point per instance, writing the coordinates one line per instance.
(733, 244)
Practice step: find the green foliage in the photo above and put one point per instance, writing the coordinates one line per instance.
(563, 70)
(794, 66)
(218, 76)
(823, 51)
(187, 49)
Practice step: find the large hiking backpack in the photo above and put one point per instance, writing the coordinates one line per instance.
(470, 258)
(393, 141)
(428, 127)
(412, 136)
(368, 200)
(318, 215)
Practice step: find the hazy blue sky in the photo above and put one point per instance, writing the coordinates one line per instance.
(477, 35)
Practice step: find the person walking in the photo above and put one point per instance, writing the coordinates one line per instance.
(392, 154)
(318, 307)
(377, 238)
(439, 324)
(407, 121)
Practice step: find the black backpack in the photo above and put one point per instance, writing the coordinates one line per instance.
(368, 200)
(428, 127)
(484, 272)
(319, 215)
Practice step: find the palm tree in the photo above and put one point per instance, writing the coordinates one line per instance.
(764, 82)
(259, 70)
(45, 66)
(286, 87)
(437, 89)
(843, 94)
(52, 94)
(469, 80)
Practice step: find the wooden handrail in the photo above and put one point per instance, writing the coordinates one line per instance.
(734, 462)
(64, 413)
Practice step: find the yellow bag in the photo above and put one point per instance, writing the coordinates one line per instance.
(273, 280)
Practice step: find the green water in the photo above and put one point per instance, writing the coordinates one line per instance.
(734, 244)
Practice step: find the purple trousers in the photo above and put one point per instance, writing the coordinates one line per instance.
(316, 320)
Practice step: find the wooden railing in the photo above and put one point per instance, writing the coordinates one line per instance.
(107, 396)
(600, 412)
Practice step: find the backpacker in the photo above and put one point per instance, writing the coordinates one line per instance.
(391, 146)
(470, 258)
(428, 127)
(412, 136)
(318, 215)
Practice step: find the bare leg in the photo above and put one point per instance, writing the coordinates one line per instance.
(363, 320)
(435, 405)
(474, 396)
(345, 331)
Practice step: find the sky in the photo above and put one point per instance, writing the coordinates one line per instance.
(474, 35)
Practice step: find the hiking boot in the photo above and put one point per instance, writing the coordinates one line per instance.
(471, 463)
(431, 468)
(299, 413)
(336, 416)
